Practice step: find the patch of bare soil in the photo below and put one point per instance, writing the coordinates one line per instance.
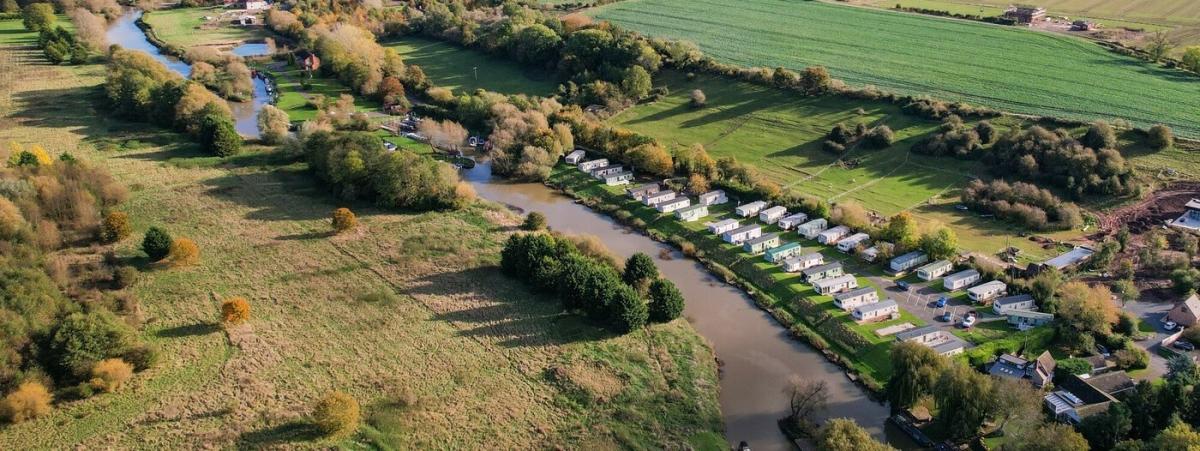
(1162, 205)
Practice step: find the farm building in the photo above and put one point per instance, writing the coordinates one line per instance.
(869, 254)
(934, 270)
(763, 243)
(960, 280)
(850, 243)
(831, 285)
(854, 298)
(1190, 220)
(875, 311)
(792, 220)
(642, 191)
(588, 166)
(812, 228)
(822, 272)
(987, 291)
(783, 252)
(803, 262)
(751, 208)
(692, 213)
(605, 171)
(908, 261)
(1028, 319)
(672, 205)
(833, 235)
(1070, 260)
(1186, 313)
(772, 215)
(1019, 302)
(654, 198)
(576, 156)
(713, 198)
(940, 341)
(742, 234)
(1025, 15)
(620, 178)
(722, 226)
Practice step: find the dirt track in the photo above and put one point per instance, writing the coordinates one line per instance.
(1164, 204)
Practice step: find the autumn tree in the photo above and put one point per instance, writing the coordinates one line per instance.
(652, 158)
(337, 414)
(343, 220)
(940, 244)
(273, 124)
(902, 230)
(843, 434)
(694, 159)
(1179, 436)
(184, 252)
(698, 184)
(115, 227)
(157, 243)
(235, 310)
(1087, 308)
(110, 374)
(666, 302)
(29, 401)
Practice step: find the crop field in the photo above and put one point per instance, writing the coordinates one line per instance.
(1160, 12)
(187, 27)
(1001, 67)
(466, 70)
(424, 332)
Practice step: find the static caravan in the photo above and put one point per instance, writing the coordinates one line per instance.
(772, 215)
(934, 270)
(1009, 303)
(832, 236)
(803, 262)
(792, 220)
(601, 173)
(908, 261)
(855, 298)
(848, 244)
(961, 279)
(812, 228)
(751, 208)
(713, 198)
(692, 213)
(869, 254)
(783, 252)
(877, 311)
(722, 226)
(660, 196)
(832, 285)
(742, 234)
(987, 291)
(618, 179)
(673, 205)
(588, 166)
(576, 156)
(1026, 319)
(763, 243)
(641, 192)
(822, 272)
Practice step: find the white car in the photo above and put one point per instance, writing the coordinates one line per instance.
(1170, 326)
(968, 322)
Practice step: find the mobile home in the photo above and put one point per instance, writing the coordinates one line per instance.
(751, 208)
(772, 215)
(672, 205)
(692, 213)
(641, 192)
(908, 261)
(832, 285)
(783, 252)
(987, 291)
(934, 270)
(869, 254)
(812, 228)
(618, 179)
(1028, 319)
(833, 235)
(602, 172)
(713, 198)
(848, 244)
(763, 243)
(855, 298)
(576, 156)
(876, 311)
(722, 226)
(742, 234)
(792, 220)
(961, 279)
(803, 262)
(822, 272)
(588, 166)
(1009, 303)
(660, 196)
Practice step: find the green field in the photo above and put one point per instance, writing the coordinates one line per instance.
(1159, 12)
(187, 27)
(1002, 67)
(464, 70)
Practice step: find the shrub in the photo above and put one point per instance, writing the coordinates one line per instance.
(639, 270)
(235, 310)
(1072, 366)
(82, 339)
(880, 137)
(38, 17)
(29, 401)
(219, 135)
(534, 221)
(115, 227)
(698, 99)
(666, 302)
(184, 252)
(110, 374)
(142, 357)
(125, 276)
(337, 414)
(1132, 357)
(629, 311)
(272, 124)
(1161, 137)
(156, 244)
(343, 220)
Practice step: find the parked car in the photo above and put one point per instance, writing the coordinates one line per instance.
(961, 207)
(902, 285)
(968, 322)
(941, 302)
(947, 317)
(389, 146)
(1170, 326)
(1184, 345)
(1102, 350)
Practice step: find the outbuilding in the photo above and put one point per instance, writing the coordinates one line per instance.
(588, 166)
(722, 226)
(660, 196)
(783, 252)
(850, 243)
(672, 205)
(1019, 302)
(772, 215)
(792, 220)
(833, 235)
(621, 178)
(940, 341)
(751, 209)
(742, 234)
(822, 272)
(961, 279)
(987, 291)
(763, 243)
(812, 228)
(875, 311)
(713, 198)
(642, 191)
(691, 213)
(576, 156)
(908, 261)
(832, 285)
(1186, 313)
(803, 262)
(934, 270)
(855, 298)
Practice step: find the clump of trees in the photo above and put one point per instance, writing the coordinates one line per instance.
(956, 139)
(273, 124)
(840, 137)
(1023, 203)
(60, 46)
(224, 73)
(1061, 160)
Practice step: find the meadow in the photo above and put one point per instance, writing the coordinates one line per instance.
(186, 27)
(1001, 67)
(466, 70)
(1150, 12)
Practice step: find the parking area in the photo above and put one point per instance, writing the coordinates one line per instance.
(921, 298)
(1152, 314)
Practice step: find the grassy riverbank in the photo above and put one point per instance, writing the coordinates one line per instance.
(465, 70)
(192, 27)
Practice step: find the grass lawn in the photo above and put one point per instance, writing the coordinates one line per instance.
(465, 70)
(186, 27)
(293, 97)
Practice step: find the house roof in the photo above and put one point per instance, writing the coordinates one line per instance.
(1046, 362)
(952, 343)
(993, 285)
(935, 265)
(964, 274)
(914, 333)
(1070, 258)
(763, 239)
(876, 306)
(1084, 391)
(821, 268)
(1020, 298)
(1186, 312)
(909, 256)
(834, 281)
(1112, 382)
(853, 293)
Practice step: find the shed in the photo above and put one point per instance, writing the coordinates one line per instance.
(772, 215)
(961, 279)
(742, 234)
(832, 236)
(1069, 260)
(672, 205)
(762, 243)
(908, 261)
(722, 226)
(823, 271)
(654, 198)
(875, 311)
(783, 252)
(934, 270)
(987, 291)
(751, 209)
(803, 262)
(587, 166)
(642, 191)
(576, 156)
(620, 178)
(692, 213)
(855, 298)
(792, 220)
(713, 198)
(1019, 302)
(850, 243)
(831, 285)
(812, 228)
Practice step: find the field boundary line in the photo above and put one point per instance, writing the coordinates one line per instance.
(839, 159)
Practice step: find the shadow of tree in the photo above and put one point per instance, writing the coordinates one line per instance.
(283, 434)
(306, 236)
(188, 330)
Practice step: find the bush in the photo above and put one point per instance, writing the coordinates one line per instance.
(156, 244)
(534, 221)
(142, 357)
(337, 414)
(82, 339)
(1161, 137)
(880, 137)
(343, 220)
(29, 401)
(125, 276)
(698, 99)
(1072, 366)
(38, 17)
(1132, 357)
(110, 374)
(115, 227)
(235, 310)
(666, 302)
(639, 270)
(629, 311)
(273, 124)
(220, 136)
(184, 252)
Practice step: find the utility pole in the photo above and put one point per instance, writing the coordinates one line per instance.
(475, 70)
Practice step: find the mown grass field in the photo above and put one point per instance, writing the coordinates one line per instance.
(1160, 12)
(186, 27)
(464, 70)
(1001, 67)
(454, 356)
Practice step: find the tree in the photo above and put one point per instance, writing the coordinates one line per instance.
(694, 160)
(273, 124)
(184, 252)
(806, 399)
(1161, 137)
(880, 137)
(10, 6)
(38, 17)
(697, 184)
(1105, 430)
(219, 135)
(1182, 370)
(815, 80)
(115, 227)
(343, 220)
(639, 270)
(902, 230)
(1015, 405)
(82, 339)
(30, 400)
(666, 302)
(1072, 366)
(534, 221)
(1087, 308)
(1049, 437)
(915, 368)
(698, 99)
(1158, 48)
(636, 83)
(1179, 436)
(1126, 290)
(235, 310)
(1100, 135)
(652, 158)
(337, 414)
(629, 312)
(843, 434)
(941, 244)
(110, 374)
(962, 396)
(1191, 58)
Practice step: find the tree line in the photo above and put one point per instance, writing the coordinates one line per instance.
(1022, 203)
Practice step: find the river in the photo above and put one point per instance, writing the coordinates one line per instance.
(125, 32)
(759, 355)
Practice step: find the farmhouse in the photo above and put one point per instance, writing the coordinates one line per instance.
(307, 60)
(713, 198)
(1190, 220)
(772, 215)
(620, 178)
(934, 270)
(850, 243)
(783, 252)
(642, 191)
(940, 341)
(1028, 319)
(875, 311)
(987, 291)
(831, 285)
(654, 198)
(1186, 313)
(961, 279)
(751, 208)
(692, 213)
(1019, 302)
(854, 298)
(803, 262)
(833, 235)
(822, 272)
(742, 234)
(723, 226)
(761, 244)
(576, 156)
(908, 261)
(588, 166)
(792, 220)
(672, 205)
(812, 228)
(1025, 15)
(605, 171)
